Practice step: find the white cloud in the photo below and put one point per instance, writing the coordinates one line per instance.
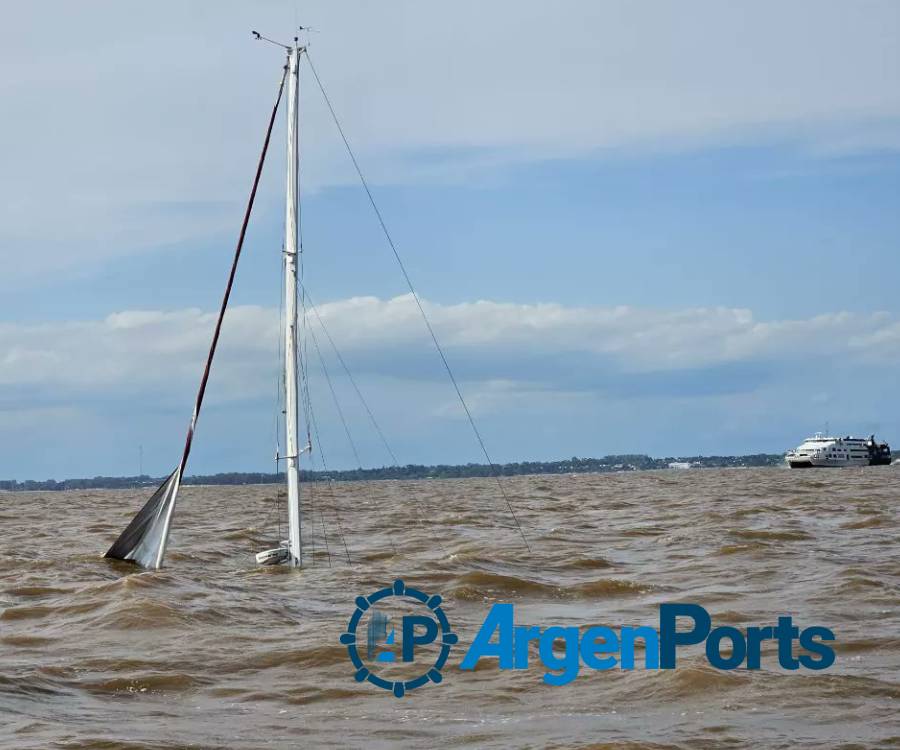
(498, 345)
(129, 125)
(544, 380)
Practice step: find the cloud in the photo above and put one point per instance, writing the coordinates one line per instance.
(497, 347)
(128, 126)
(543, 380)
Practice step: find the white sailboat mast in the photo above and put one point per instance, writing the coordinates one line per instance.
(292, 459)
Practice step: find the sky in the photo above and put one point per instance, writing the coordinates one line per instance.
(657, 227)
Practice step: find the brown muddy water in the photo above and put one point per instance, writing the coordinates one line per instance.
(215, 652)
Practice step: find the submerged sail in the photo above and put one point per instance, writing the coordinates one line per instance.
(144, 540)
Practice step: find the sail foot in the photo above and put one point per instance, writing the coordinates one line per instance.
(144, 540)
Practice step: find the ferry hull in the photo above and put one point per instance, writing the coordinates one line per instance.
(805, 463)
(811, 465)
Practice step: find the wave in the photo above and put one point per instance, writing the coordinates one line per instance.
(873, 522)
(171, 681)
(770, 535)
(495, 586)
(589, 563)
(34, 591)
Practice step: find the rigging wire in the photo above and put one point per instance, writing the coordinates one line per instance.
(299, 351)
(365, 403)
(337, 405)
(313, 482)
(352, 380)
(278, 402)
(312, 516)
(307, 413)
(322, 518)
(274, 512)
(204, 380)
(412, 290)
(334, 504)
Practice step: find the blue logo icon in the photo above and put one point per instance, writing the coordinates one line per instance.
(415, 630)
(377, 632)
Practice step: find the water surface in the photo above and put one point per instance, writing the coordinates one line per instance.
(214, 652)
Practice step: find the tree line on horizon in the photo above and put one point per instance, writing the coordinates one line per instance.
(574, 465)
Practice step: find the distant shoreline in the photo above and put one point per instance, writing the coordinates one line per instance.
(574, 465)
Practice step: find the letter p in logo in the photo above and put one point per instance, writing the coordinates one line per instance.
(411, 640)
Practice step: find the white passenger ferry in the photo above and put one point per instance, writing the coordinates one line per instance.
(820, 451)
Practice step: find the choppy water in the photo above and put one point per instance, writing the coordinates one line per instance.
(214, 652)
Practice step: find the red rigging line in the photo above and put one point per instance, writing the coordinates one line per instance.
(231, 275)
(144, 539)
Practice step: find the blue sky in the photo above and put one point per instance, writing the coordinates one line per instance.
(683, 236)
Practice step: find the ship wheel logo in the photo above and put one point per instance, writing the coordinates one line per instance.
(423, 627)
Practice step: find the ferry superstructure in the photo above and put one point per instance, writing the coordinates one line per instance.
(821, 451)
